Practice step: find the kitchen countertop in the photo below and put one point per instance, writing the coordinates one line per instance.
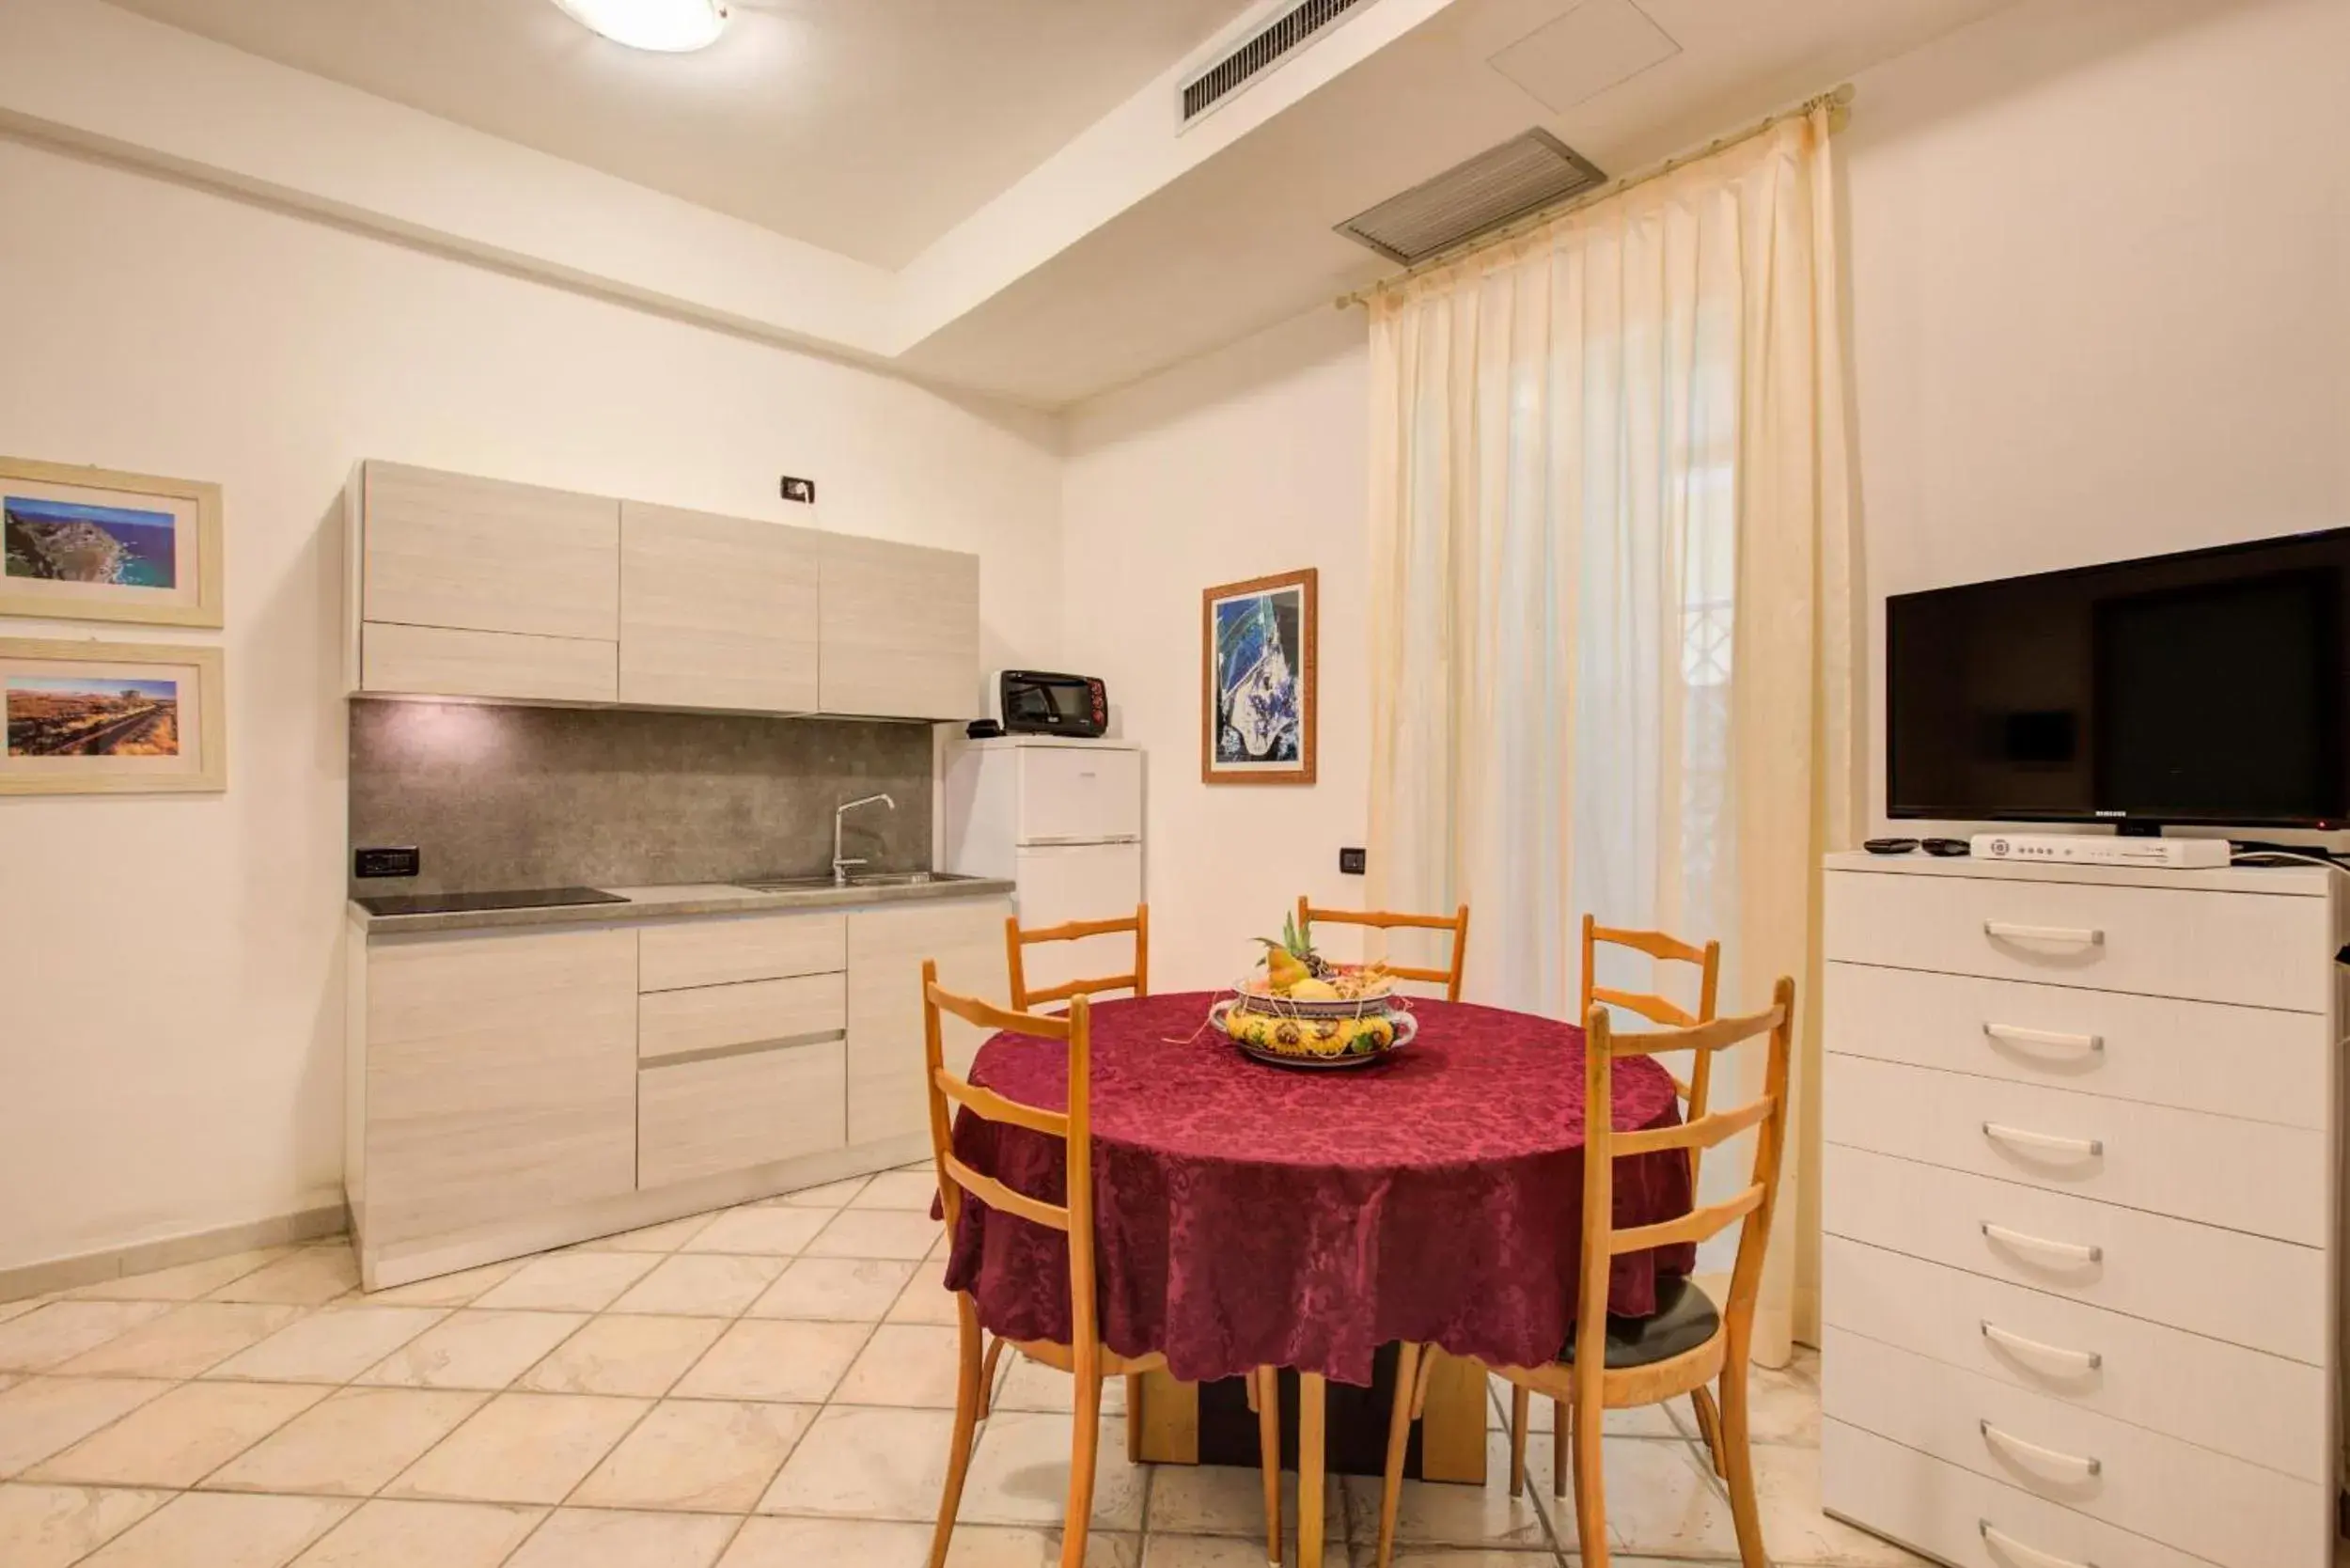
(697, 898)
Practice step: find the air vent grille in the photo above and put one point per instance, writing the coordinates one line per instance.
(1243, 65)
(1521, 175)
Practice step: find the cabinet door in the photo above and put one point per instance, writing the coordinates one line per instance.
(716, 612)
(887, 947)
(501, 1077)
(900, 630)
(733, 1113)
(484, 555)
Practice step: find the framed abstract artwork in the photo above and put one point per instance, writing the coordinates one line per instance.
(121, 717)
(1257, 680)
(89, 544)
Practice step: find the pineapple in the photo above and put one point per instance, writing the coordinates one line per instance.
(1292, 958)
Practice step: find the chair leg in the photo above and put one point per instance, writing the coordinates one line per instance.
(1561, 1446)
(1134, 1418)
(1591, 1491)
(1085, 1447)
(1709, 1424)
(969, 1393)
(1399, 1438)
(1266, 1381)
(1310, 1462)
(1520, 1414)
(987, 1376)
(1738, 1461)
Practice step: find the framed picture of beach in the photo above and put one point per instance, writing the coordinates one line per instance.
(85, 717)
(88, 544)
(1256, 681)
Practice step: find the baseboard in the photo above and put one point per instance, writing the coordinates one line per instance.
(91, 1268)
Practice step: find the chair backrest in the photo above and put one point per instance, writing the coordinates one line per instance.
(1137, 981)
(1602, 1145)
(1665, 949)
(1456, 923)
(1073, 1126)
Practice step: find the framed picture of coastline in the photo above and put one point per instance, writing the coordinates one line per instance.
(88, 544)
(1256, 681)
(85, 717)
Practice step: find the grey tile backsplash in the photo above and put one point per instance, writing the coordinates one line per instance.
(501, 798)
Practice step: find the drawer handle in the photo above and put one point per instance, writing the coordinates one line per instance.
(2046, 1456)
(2042, 1243)
(1993, 1535)
(1998, 1336)
(2095, 1148)
(2012, 1034)
(2078, 936)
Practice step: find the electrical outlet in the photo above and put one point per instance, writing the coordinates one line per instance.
(803, 490)
(404, 861)
(1353, 862)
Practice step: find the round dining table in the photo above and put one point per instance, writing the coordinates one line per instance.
(1255, 1215)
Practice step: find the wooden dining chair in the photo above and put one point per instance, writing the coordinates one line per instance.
(1137, 981)
(1688, 1341)
(1457, 923)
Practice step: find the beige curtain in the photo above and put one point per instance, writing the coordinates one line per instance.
(1613, 607)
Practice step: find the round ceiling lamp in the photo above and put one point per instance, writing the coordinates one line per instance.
(670, 26)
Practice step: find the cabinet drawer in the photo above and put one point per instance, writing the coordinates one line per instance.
(713, 1017)
(701, 1117)
(451, 550)
(2247, 1289)
(2215, 1507)
(1967, 1519)
(2252, 1062)
(723, 948)
(432, 661)
(2261, 1408)
(1070, 794)
(2258, 949)
(2250, 1176)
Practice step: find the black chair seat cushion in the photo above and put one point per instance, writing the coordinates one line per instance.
(1685, 1319)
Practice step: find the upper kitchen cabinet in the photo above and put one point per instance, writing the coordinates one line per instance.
(900, 627)
(717, 612)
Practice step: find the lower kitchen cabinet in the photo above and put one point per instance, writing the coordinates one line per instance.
(887, 949)
(732, 1113)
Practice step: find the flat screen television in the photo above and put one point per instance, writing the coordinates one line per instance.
(2206, 687)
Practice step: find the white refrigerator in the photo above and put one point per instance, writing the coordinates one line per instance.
(1062, 819)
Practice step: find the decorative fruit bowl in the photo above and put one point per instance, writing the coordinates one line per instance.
(1303, 1011)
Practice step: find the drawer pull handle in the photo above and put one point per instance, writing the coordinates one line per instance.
(1998, 1336)
(2078, 936)
(2095, 1148)
(2042, 1243)
(2012, 1034)
(1993, 1536)
(2046, 1456)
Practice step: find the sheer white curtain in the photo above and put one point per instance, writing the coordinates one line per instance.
(1612, 597)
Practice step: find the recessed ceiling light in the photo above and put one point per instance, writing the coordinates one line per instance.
(671, 26)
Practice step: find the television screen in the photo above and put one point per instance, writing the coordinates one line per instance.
(2206, 687)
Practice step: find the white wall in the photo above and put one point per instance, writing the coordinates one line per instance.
(171, 1035)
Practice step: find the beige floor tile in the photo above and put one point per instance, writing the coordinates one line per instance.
(57, 1331)
(832, 1195)
(866, 1464)
(840, 1290)
(1477, 1557)
(1782, 1403)
(665, 1237)
(185, 1282)
(900, 1189)
(309, 1278)
(9, 1380)
(179, 1438)
(522, 1449)
(900, 1233)
(1646, 1420)
(714, 1456)
(42, 1416)
(798, 1363)
(778, 1231)
(473, 1349)
(352, 1442)
(1660, 1503)
(568, 1282)
(829, 1544)
(1032, 1386)
(447, 1290)
(1229, 1500)
(1004, 1547)
(926, 1298)
(1209, 1552)
(1441, 1515)
(1787, 1495)
(587, 1538)
(222, 1530)
(1020, 1474)
(905, 1363)
(19, 1307)
(392, 1534)
(49, 1527)
(187, 1339)
(634, 1356)
(331, 1346)
(701, 1285)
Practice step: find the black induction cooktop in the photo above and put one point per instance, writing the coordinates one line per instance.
(470, 903)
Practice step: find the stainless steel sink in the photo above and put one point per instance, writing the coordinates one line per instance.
(862, 879)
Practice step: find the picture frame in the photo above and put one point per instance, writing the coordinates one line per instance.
(111, 718)
(95, 544)
(1257, 678)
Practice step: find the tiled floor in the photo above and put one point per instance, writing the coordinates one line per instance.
(770, 1386)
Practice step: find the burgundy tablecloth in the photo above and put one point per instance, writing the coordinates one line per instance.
(1253, 1216)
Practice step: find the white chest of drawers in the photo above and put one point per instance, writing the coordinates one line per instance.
(2082, 1283)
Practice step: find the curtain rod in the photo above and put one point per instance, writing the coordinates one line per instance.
(1837, 101)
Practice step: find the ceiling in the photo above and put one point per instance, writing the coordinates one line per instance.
(867, 127)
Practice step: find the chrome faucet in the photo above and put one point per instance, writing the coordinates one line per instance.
(840, 867)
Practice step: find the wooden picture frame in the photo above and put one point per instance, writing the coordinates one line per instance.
(94, 544)
(1258, 650)
(111, 718)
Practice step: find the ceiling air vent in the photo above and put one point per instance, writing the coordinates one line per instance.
(1263, 50)
(1518, 177)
